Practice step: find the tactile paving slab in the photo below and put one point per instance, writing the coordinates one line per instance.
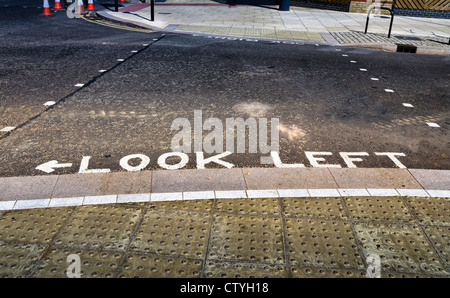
(100, 227)
(378, 209)
(173, 232)
(321, 243)
(190, 205)
(139, 265)
(246, 270)
(435, 211)
(314, 208)
(93, 264)
(440, 238)
(314, 272)
(249, 206)
(17, 259)
(33, 225)
(401, 247)
(246, 238)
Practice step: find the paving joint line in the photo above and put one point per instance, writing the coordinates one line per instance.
(47, 251)
(441, 258)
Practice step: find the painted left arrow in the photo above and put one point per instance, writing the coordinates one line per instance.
(50, 166)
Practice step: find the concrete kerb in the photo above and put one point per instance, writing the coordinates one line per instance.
(30, 192)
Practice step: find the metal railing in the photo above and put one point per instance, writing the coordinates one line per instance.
(152, 8)
(379, 7)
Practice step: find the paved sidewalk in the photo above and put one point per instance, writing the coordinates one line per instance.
(253, 222)
(267, 22)
(269, 237)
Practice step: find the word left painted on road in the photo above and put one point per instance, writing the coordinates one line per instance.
(141, 161)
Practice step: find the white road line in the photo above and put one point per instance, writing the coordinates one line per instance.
(374, 79)
(408, 105)
(432, 124)
(324, 192)
(134, 51)
(439, 193)
(168, 196)
(94, 200)
(79, 85)
(231, 194)
(293, 193)
(389, 90)
(102, 70)
(344, 55)
(227, 194)
(268, 193)
(363, 69)
(29, 204)
(384, 192)
(353, 61)
(133, 198)
(7, 128)
(354, 192)
(7, 205)
(120, 60)
(66, 202)
(412, 192)
(49, 103)
(198, 195)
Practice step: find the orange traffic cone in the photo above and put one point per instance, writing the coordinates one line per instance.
(90, 5)
(46, 11)
(58, 4)
(80, 7)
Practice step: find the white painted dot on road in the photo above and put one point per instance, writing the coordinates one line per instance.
(375, 79)
(145, 44)
(353, 61)
(134, 51)
(79, 85)
(344, 55)
(102, 70)
(120, 60)
(49, 103)
(432, 124)
(389, 90)
(408, 105)
(363, 69)
(7, 128)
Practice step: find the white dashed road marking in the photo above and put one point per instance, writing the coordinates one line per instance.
(432, 124)
(408, 105)
(7, 128)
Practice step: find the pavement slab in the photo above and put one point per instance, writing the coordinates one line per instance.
(271, 237)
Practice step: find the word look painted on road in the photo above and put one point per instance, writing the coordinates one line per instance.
(141, 161)
(234, 128)
(189, 139)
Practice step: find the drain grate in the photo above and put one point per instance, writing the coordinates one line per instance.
(406, 48)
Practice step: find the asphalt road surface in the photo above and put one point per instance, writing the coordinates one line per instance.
(335, 106)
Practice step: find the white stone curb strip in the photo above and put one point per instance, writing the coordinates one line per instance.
(229, 194)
